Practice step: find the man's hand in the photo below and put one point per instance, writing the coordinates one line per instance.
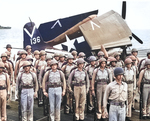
(93, 92)
(46, 94)
(63, 93)
(8, 96)
(35, 94)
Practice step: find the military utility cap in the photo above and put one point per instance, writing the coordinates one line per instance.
(102, 60)
(116, 54)
(128, 61)
(74, 53)
(148, 53)
(147, 62)
(8, 46)
(8, 53)
(28, 47)
(134, 50)
(28, 58)
(42, 52)
(118, 71)
(2, 65)
(26, 63)
(81, 54)
(3, 55)
(48, 56)
(56, 55)
(92, 58)
(53, 62)
(61, 55)
(100, 53)
(36, 52)
(70, 56)
(23, 52)
(80, 61)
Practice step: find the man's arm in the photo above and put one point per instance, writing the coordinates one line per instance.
(140, 78)
(64, 82)
(106, 94)
(44, 80)
(8, 84)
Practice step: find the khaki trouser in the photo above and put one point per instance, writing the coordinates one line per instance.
(80, 99)
(130, 98)
(100, 94)
(69, 101)
(3, 94)
(146, 100)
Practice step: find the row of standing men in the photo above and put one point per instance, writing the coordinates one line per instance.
(39, 73)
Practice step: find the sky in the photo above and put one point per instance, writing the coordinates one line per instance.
(16, 13)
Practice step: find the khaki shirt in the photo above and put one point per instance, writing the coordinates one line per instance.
(129, 75)
(90, 70)
(66, 69)
(115, 92)
(54, 77)
(4, 81)
(120, 63)
(78, 76)
(101, 74)
(27, 79)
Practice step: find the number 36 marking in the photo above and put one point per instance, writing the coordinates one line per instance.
(35, 40)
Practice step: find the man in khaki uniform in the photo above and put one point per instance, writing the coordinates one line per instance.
(102, 76)
(90, 69)
(66, 69)
(36, 56)
(79, 80)
(9, 71)
(119, 63)
(4, 92)
(9, 47)
(38, 65)
(134, 52)
(130, 79)
(29, 86)
(29, 49)
(52, 82)
(61, 60)
(74, 53)
(112, 66)
(144, 78)
(116, 93)
(56, 56)
(19, 63)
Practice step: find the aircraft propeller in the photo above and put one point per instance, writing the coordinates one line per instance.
(124, 16)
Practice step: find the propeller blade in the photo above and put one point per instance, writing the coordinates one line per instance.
(138, 39)
(124, 9)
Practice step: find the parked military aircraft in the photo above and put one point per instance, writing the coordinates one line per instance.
(84, 32)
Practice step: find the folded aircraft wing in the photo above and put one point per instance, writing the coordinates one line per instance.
(108, 29)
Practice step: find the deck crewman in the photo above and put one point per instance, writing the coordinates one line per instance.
(27, 82)
(130, 79)
(9, 71)
(100, 79)
(9, 47)
(36, 56)
(144, 79)
(119, 63)
(66, 69)
(116, 93)
(19, 63)
(134, 52)
(55, 79)
(4, 92)
(79, 81)
(90, 69)
(29, 49)
(61, 60)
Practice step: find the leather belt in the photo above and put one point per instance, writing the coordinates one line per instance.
(122, 104)
(2, 87)
(81, 83)
(146, 81)
(27, 87)
(53, 85)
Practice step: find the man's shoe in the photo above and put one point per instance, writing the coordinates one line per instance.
(128, 119)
